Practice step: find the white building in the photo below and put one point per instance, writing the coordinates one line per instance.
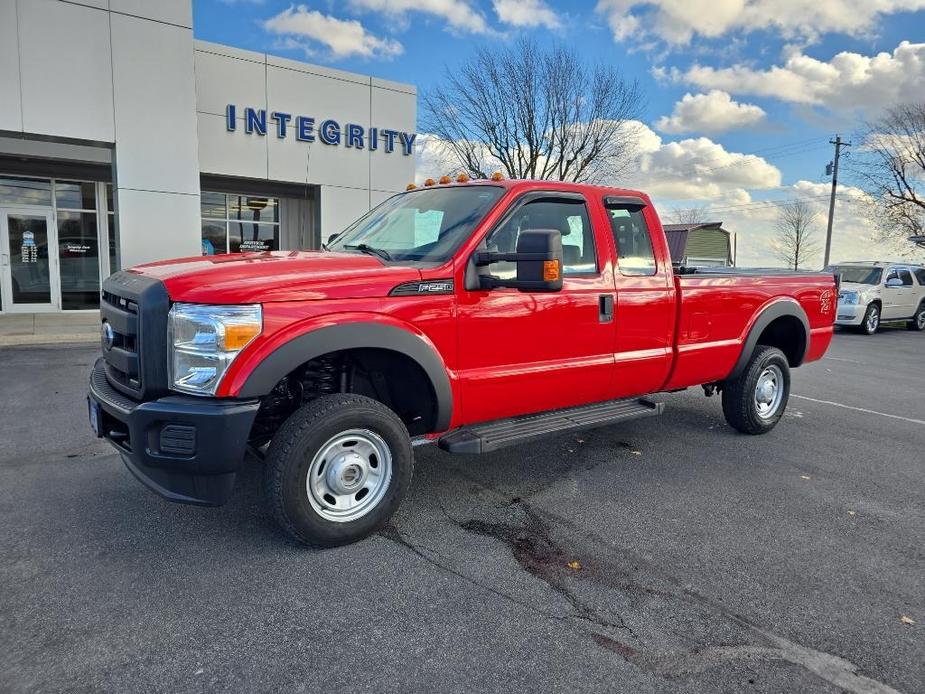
(124, 140)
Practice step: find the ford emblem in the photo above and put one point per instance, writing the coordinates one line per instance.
(107, 336)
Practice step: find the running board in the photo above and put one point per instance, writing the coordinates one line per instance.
(490, 436)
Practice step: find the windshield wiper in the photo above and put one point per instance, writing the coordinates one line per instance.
(366, 248)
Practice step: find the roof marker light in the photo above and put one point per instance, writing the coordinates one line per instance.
(462, 178)
(410, 186)
(444, 180)
(497, 176)
(430, 182)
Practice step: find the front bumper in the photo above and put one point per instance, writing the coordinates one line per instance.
(850, 314)
(185, 448)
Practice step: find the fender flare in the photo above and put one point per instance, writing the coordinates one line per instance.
(778, 309)
(334, 338)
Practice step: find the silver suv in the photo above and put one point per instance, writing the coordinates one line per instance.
(873, 293)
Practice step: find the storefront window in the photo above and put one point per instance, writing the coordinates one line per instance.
(239, 223)
(249, 236)
(25, 191)
(61, 241)
(75, 196)
(78, 246)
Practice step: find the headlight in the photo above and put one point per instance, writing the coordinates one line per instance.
(204, 340)
(848, 298)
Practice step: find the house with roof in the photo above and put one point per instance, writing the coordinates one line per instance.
(706, 244)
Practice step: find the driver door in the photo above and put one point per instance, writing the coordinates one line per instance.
(523, 352)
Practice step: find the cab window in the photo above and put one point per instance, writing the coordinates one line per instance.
(569, 217)
(634, 245)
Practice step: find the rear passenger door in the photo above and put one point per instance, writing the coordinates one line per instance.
(645, 312)
(897, 299)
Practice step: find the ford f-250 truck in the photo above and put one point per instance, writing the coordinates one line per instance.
(475, 315)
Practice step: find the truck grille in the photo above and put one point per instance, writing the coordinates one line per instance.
(135, 341)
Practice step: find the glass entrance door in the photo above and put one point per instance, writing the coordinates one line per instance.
(28, 260)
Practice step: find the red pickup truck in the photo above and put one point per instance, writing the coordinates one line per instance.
(473, 315)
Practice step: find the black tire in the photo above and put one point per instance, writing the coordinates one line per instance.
(294, 447)
(918, 320)
(872, 319)
(740, 405)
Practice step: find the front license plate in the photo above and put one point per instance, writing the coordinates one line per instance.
(94, 416)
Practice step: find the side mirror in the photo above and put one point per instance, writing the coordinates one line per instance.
(894, 282)
(538, 258)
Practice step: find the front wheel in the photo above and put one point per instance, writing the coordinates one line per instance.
(754, 401)
(337, 469)
(871, 321)
(918, 320)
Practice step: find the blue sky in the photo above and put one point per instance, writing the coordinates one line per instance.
(769, 81)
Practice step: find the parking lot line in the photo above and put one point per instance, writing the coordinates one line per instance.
(860, 409)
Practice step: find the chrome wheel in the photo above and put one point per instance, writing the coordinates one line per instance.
(920, 319)
(769, 392)
(349, 475)
(873, 320)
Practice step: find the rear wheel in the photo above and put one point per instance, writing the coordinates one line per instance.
(871, 321)
(755, 401)
(337, 469)
(918, 320)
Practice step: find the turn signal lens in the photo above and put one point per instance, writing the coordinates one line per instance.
(238, 335)
(497, 176)
(462, 178)
(410, 186)
(551, 270)
(444, 180)
(430, 182)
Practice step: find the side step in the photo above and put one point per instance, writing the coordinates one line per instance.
(490, 436)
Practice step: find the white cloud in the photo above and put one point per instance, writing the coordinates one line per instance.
(848, 80)
(715, 112)
(678, 21)
(753, 222)
(526, 13)
(690, 169)
(344, 38)
(696, 169)
(459, 14)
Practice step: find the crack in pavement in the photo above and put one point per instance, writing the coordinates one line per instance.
(535, 551)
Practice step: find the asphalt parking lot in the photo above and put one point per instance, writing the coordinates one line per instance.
(701, 559)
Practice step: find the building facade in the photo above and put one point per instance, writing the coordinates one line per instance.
(704, 244)
(123, 140)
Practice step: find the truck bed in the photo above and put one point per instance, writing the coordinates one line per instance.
(717, 307)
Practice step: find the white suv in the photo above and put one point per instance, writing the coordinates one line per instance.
(874, 293)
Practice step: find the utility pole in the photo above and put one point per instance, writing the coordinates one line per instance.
(839, 143)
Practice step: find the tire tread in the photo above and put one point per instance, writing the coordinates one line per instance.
(288, 436)
(737, 393)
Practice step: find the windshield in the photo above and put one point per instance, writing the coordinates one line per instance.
(422, 225)
(859, 275)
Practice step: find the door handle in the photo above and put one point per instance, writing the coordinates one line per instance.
(605, 308)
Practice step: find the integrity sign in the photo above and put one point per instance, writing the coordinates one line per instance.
(328, 131)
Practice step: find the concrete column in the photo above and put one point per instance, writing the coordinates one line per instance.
(155, 165)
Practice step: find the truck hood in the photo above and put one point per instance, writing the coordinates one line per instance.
(243, 278)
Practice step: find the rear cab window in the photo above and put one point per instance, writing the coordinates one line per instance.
(635, 255)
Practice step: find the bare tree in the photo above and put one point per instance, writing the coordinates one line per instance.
(534, 114)
(794, 241)
(891, 165)
(689, 215)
